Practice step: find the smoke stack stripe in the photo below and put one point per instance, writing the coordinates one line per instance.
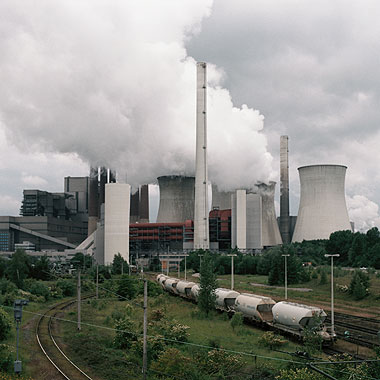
(201, 227)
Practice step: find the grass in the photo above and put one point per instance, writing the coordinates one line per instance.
(215, 331)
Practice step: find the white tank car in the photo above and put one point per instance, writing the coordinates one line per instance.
(184, 288)
(195, 292)
(161, 280)
(255, 307)
(225, 298)
(171, 284)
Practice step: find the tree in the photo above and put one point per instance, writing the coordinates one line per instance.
(208, 284)
(126, 288)
(119, 265)
(357, 254)
(40, 270)
(359, 285)
(340, 242)
(125, 333)
(18, 267)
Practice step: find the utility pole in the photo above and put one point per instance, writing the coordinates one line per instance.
(179, 268)
(78, 299)
(185, 267)
(286, 277)
(97, 281)
(232, 270)
(145, 362)
(122, 267)
(332, 291)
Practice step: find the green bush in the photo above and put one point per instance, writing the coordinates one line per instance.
(237, 320)
(125, 333)
(5, 324)
(271, 340)
(6, 358)
(359, 285)
(37, 288)
(127, 287)
(68, 287)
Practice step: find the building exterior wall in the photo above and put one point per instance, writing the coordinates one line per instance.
(116, 221)
(254, 221)
(239, 220)
(322, 209)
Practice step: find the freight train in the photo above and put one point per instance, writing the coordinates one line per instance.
(286, 317)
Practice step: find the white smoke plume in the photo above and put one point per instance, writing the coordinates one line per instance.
(363, 212)
(112, 83)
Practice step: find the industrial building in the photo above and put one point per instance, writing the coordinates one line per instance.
(254, 224)
(322, 208)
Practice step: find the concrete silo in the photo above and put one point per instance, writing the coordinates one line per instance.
(176, 199)
(322, 209)
(116, 221)
(270, 232)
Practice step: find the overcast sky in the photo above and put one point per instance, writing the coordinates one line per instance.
(113, 82)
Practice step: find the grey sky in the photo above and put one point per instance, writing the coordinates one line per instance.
(114, 83)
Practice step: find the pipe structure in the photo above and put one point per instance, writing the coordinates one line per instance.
(176, 199)
(284, 190)
(322, 209)
(201, 223)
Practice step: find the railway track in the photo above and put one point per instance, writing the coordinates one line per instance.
(362, 330)
(65, 368)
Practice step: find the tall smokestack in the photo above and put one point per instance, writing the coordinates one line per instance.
(201, 228)
(93, 211)
(284, 190)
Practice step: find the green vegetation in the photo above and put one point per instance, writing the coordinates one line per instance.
(207, 284)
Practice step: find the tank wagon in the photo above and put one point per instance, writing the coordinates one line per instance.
(294, 318)
(225, 299)
(286, 317)
(254, 307)
(184, 288)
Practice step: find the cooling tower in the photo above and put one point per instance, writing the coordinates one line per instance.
(144, 204)
(201, 212)
(322, 209)
(221, 199)
(270, 231)
(284, 190)
(134, 209)
(176, 199)
(116, 221)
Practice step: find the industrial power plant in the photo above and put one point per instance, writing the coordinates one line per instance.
(106, 217)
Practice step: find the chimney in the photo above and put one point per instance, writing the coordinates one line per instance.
(284, 190)
(201, 227)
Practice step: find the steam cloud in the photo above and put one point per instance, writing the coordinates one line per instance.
(363, 212)
(112, 82)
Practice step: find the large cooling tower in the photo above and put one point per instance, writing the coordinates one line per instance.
(322, 209)
(221, 199)
(270, 231)
(176, 199)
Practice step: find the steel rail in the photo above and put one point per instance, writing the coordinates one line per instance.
(64, 305)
